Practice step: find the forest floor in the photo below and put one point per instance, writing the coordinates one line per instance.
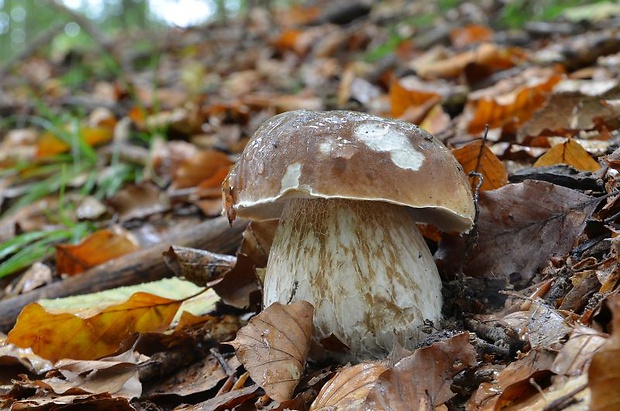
(121, 282)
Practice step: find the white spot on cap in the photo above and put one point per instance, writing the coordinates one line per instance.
(382, 137)
(291, 177)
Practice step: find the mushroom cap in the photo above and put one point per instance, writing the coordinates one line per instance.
(349, 155)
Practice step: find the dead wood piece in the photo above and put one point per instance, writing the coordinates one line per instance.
(561, 175)
(135, 268)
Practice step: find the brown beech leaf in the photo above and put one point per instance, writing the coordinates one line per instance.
(514, 383)
(349, 388)
(477, 156)
(604, 373)
(202, 166)
(422, 380)
(522, 225)
(573, 105)
(66, 335)
(419, 381)
(99, 247)
(571, 153)
(274, 347)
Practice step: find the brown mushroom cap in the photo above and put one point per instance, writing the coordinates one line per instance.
(349, 155)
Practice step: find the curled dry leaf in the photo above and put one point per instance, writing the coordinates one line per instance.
(477, 156)
(420, 381)
(201, 267)
(274, 347)
(604, 373)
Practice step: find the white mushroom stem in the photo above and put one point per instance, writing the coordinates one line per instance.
(363, 265)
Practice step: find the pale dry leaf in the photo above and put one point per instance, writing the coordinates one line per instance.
(349, 388)
(274, 347)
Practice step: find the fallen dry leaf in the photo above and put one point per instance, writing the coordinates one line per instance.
(274, 347)
(97, 248)
(477, 156)
(412, 95)
(201, 166)
(349, 388)
(488, 55)
(512, 100)
(514, 383)
(571, 153)
(422, 380)
(604, 372)
(138, 201)
(116, 375)
(66, 335)
(527, 232)
(573, 105)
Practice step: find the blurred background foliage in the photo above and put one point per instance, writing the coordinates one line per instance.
(21, 21)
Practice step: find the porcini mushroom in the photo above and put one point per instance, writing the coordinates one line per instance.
(348, 189)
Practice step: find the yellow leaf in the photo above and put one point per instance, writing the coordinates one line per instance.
(570, 153)
(65, 335)
(476, 156)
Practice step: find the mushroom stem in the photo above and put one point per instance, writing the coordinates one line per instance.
(363, 265)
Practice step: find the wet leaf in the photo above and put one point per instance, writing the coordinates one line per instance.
(477, 156)
(65, 335)
(571, 153)
(274, 347)
(97, 248)
(604, 373)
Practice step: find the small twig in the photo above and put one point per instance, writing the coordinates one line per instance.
(566, 400)
(222, 361)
